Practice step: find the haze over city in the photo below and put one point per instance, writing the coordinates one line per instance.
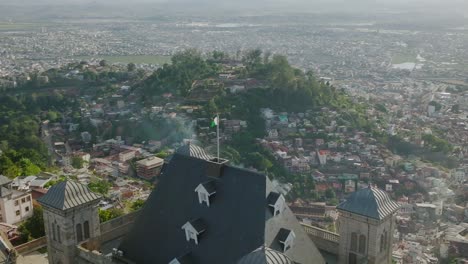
(234, 132)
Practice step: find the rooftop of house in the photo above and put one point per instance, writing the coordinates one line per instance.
(151, 161)
(237, 221)
(4, 180)
(68, 194)
(370, 202)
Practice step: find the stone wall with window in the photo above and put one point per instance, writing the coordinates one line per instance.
(364, 238)
(66, 229)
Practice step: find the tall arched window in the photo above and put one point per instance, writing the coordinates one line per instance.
(382, 239)
(79, 233)
(53, 231)
(385, 239)
(354, 242)
(352, 258)
(86, 229)
(58, 234)
(362, 244)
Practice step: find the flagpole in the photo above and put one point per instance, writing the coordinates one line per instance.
(217, 133)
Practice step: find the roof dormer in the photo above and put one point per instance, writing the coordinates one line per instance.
(286, 238)
(205, 190)
(185, 259)
(175, 261)
(276, 202)
(193, 229)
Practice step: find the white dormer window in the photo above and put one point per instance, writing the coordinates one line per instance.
(204, 191)
(174, 261)
(183, 259)
(286, 238)
(276, 202)
(193, 229)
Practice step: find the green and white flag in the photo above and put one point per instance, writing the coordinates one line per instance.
(215, 121)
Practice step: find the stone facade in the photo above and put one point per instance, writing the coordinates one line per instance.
(66, 229)
(375, 235)
(70, 218)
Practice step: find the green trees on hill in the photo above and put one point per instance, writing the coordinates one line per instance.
(137, 205)
(436, 144)
(77, 162)
(287, 88)
(24, 162)
(178, 77)
(259, 161)
(100, 186)
(23, 151)
(33, 227)
(106, 215)
(303, 187)
(281, 87)
(290, 89)
(253, 61)
(53, 182)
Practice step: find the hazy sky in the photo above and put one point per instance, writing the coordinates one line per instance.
(347, 2)
(433, 7)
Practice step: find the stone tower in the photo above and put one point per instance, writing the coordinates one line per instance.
(70, 218)
(366, 223)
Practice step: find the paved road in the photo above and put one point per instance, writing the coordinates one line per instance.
(47, 138)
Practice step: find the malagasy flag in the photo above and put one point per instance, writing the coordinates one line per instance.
(215, 121)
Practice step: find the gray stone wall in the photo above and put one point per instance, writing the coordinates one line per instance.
(372, 229)
(62, 249)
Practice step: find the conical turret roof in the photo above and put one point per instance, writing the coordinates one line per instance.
(265, 255)
(68, 194)
(370, 202)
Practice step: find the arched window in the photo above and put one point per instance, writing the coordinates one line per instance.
(352, 258)
(385, 239)
(53, 231)
(79, 233)
(58, 234)
(382, 241)
(362, 244)
(86, 229)
(354, 242)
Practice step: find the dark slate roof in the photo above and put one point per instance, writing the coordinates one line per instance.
(185, 259)
(370, 202)
(238, 220)
(265, 255)
(193, 150)
(199, 225)
(68, 194)
(210, 186)
(4, 180)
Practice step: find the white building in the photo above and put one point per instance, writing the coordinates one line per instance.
(15, 206)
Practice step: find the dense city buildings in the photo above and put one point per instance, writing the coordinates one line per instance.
(149, 168)
(233, 137)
